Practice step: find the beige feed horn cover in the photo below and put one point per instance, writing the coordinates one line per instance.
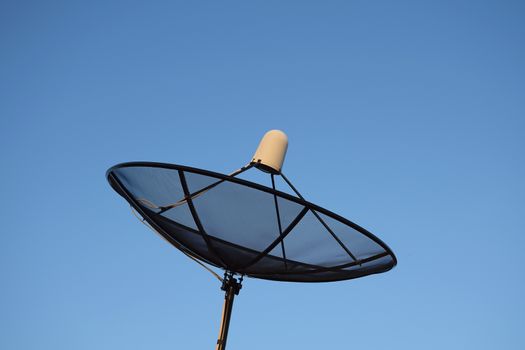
(271, 151)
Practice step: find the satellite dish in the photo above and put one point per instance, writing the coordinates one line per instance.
(248, 229)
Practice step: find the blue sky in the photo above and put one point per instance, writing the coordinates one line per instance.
(407, 117)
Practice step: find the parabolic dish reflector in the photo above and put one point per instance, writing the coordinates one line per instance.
(233, 224)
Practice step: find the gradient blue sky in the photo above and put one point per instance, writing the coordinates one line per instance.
(407, 117)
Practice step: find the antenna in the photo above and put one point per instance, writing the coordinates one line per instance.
(269, 156)
(247, 229)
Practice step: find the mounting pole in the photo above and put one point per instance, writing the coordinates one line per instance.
(232, 287)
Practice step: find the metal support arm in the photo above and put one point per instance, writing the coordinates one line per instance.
(232, 287)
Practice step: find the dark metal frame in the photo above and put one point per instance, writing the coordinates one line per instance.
(147, 215)
(230, 284)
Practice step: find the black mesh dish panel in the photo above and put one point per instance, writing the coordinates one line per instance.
(248, 228)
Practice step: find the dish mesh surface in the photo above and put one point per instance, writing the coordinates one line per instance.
(248, 228)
